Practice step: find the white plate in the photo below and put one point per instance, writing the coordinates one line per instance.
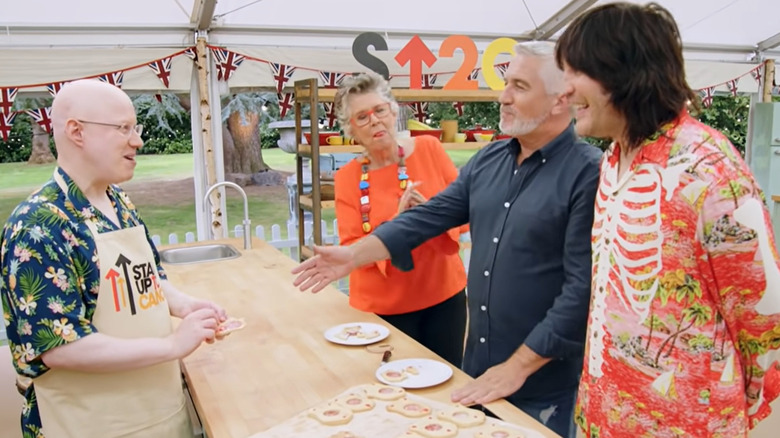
(335, 334)
(430, 372)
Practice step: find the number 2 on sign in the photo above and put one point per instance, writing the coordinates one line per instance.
(461, 80)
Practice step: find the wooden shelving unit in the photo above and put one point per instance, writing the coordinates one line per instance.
(307, 92)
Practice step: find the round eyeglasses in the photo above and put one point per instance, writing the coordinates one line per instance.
(124, 129)
(364, 117)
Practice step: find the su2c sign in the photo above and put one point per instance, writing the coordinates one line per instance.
(415, 53)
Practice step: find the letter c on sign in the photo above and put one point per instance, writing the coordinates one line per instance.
(501, 45)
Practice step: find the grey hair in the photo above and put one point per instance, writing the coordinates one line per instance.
(551, 74)
(362, 83)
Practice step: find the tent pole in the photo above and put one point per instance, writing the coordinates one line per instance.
(769, 79)
(206, 134)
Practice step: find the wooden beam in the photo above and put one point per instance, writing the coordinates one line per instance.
(203, 13)
(768, 80)
(560, 19)
(208, 143)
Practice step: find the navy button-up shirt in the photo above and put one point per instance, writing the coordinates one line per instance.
(530, 268)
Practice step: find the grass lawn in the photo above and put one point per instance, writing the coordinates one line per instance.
(17, 180)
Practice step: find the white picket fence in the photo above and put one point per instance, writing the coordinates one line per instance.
(289, 245)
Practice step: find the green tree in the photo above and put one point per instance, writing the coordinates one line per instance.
(729, 115)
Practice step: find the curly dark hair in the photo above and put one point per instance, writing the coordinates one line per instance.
(635, 53)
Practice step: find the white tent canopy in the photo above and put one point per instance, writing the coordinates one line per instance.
(48, 41)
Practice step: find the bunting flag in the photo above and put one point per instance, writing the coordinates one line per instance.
(42, 116)
(706, 96)
(330, 79)
(473, 76)
(756, 73)
(420, 110)
(330, 113)
(501, 69)
(191, 53)
(458, 108)
(55, 87)
(286, 101)
(162, 68)
(282, 73)
(428, 81)
(114, 78)
(6, 123)
(158, 97)
(227, 62)
(7, 96)
(732, 85)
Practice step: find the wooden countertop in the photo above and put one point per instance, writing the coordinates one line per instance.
(776, 198)
(280, 364)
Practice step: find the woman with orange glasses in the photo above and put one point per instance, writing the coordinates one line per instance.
(428, 303)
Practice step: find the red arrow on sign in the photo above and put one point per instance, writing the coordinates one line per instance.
(414, 53)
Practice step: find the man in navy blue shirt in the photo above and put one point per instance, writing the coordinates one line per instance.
(529, 202)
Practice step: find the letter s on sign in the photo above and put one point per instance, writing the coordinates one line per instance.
(360, 52)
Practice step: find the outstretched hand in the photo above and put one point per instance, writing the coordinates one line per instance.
(329, 264)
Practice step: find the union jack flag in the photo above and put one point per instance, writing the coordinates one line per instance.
(331, 80)
(191, 53)
(42, 116)
(114, 78)
(732, 84)
(474, 74)
(227, 62)
(282, 73)
(428, 81)
(286, 101)
(458, 108)
(330, 113)
(706, 96)
(501, 69)
(55, 87)
(7, 96)
(6, 123)
(756, 73)
(420, 110)
(162, 68)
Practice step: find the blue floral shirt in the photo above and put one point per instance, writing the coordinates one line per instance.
(50, 276)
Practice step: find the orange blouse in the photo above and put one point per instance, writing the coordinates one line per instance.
(438, 272)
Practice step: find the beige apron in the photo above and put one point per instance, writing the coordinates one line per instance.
(147, 402)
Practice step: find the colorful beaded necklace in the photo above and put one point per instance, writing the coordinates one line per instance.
(365, 205)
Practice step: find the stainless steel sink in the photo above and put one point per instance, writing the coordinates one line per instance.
(198, 254)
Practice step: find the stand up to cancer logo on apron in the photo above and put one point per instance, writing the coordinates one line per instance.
(147, 402)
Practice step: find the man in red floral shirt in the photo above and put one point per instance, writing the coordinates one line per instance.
(684, 324)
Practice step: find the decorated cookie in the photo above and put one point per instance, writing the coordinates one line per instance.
(368, 335)
(431, 427)
(345, 434)
(384, 392)
(229, 326)
(348, 331)
(462, 416)
(496, 431)
(412, 370)
(356, 402)
(409, 434)
(331, 414)
(393, 375)
(409, 408)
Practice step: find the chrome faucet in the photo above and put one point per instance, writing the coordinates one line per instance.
(247, 222)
